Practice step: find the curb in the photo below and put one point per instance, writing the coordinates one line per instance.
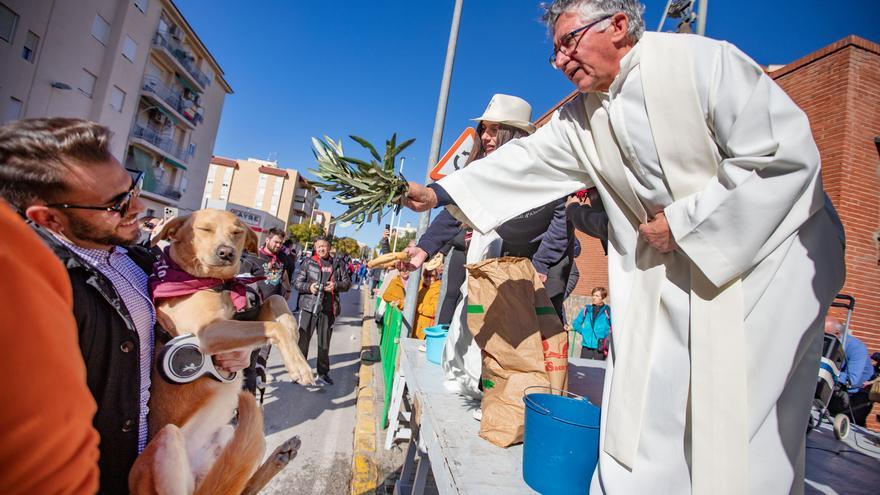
(364, 471)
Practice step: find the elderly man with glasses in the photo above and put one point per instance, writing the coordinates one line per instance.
(724, 251)
(60, 175)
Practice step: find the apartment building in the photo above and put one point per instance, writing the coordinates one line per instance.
(135, 66)
(325, 220)
(259, 192)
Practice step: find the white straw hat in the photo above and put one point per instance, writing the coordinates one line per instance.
(510, 110)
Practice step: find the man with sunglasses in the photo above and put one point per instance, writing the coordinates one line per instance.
(721, 240)
(60, 175)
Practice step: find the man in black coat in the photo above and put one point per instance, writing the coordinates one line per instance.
(319, 281)
(61, 175)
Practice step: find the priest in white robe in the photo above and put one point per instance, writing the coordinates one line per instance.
(724, 250)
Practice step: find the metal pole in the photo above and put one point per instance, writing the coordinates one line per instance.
(309, 230)
(665, 11)
(702, 11)
(412, 286)
(394, 214)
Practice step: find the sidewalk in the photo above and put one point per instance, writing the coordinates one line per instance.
(373, 468)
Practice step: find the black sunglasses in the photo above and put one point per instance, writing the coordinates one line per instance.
(122, 204)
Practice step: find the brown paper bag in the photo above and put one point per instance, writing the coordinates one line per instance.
(524, 343)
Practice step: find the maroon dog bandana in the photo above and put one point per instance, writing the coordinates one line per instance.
(169, 280)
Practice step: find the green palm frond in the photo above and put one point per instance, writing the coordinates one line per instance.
(368, 189)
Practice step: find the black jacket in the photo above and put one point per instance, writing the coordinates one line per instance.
(277, 275)
(110, 347)
(592, 219)
(310, 273)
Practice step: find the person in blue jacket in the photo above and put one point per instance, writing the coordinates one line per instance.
(594, 324)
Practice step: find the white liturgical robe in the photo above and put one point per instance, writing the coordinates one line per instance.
(716, 346)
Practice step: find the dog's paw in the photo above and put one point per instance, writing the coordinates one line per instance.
(303, 375)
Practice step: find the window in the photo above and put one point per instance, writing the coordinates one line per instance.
(209, 72)
(184, 183)
(276, 195)
(117, 98)
(129, 49)
(261, 192)
(12, 110)
(209, 184)
(224, 186)
(101, 29)
(87, 82)
(31, 43)
(8, 20)
(142, 5)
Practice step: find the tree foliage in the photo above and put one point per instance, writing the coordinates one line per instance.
(303, 232)
(347, 245)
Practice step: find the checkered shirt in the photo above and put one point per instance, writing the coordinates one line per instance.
(130, 283)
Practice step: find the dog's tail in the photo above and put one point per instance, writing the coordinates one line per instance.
(241, 456)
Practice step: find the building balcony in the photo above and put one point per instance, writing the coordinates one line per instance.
(181, 109)
(166, 190)
(182, 58)
(151, 140)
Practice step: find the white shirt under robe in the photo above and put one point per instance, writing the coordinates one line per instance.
(763, 218)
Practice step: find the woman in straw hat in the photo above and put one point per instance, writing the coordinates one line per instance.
(542, 234)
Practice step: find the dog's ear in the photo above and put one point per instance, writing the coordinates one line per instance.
(168, 230)
(251, 241)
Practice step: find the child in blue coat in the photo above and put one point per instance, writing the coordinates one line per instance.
(594, 324)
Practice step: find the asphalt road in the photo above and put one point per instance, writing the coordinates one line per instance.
(323, 417)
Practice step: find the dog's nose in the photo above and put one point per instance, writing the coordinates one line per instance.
(225, 253)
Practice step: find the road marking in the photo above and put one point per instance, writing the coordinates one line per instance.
(364, 472)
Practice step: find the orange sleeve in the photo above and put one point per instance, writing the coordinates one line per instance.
(49, 444)
(395, 293)
(429, 299)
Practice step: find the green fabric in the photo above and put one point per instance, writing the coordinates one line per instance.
(475, 308)
(392, 322)
(144, 162)
(174, 163)
(188, 85)
(545, 310)
(168, 114)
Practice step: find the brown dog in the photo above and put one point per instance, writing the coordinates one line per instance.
(193, 448)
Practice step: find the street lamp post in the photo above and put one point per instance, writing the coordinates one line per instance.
(395, 213)
(412, 287)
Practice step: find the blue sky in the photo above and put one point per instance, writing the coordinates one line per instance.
(371, 68)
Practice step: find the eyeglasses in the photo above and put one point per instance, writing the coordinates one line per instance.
(122, 204)
(567, 43)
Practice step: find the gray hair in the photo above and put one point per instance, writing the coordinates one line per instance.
(592, 9)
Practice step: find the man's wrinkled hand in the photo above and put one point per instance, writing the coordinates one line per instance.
(417, 257)
(233, 361)
(329, 286)
(658, 235)
(419, 197)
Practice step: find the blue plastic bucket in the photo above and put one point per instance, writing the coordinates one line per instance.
(561, 444)
(435, 339)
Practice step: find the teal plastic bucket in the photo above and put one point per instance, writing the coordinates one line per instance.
(561, 443)
(435, 339)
